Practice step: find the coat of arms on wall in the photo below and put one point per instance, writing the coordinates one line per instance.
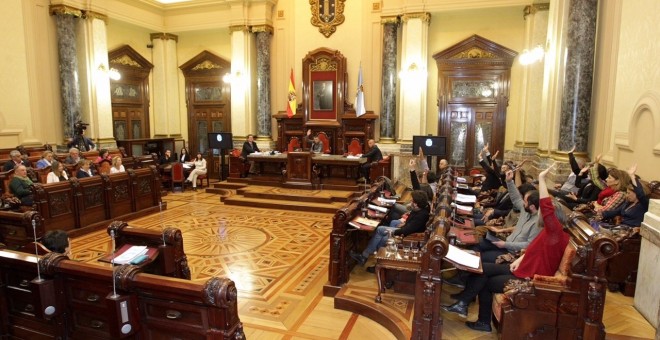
(327, 14)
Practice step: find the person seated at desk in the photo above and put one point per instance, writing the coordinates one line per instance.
(46, 160)
(167, 158)
(20, 186)
(542, 257)
(200, 169)
(633, 209)
(185, 156)
(57, 241)
(249, 147)
(116, 165)
(415, 223)
(57, 174)
(15, 161)
(317, 144)
(374, 155)
(73, 157)
(104, 155)
(84, 169)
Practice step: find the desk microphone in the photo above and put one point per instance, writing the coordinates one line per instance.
(36, 249)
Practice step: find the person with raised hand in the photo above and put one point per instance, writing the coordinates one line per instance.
(542, 257)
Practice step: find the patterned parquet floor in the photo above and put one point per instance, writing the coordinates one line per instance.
(279, 261)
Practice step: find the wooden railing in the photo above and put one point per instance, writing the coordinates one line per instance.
(82, 301)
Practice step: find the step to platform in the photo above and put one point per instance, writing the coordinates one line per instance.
(283, 205)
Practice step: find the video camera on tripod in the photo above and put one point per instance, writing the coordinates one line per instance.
(79, 127)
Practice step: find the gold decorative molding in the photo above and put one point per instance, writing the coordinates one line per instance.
(205, 65)
(519, 144)
(262, 28)
(164, 36)
(323, 64)
(327, 15)
(474, 53)
(95, 15)
(65, 10)
(424, 16)
(239, 28)
(390, 19)
(125, 60)
(532, 9)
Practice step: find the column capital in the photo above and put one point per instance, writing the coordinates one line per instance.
(424, 16)
(262, 28)
(390, 19)
(95, 15)
(533, 8)
(164, 36)
(239, 28)
(65, 10)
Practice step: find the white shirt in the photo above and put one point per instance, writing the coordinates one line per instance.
(113, 170)
(53, 178)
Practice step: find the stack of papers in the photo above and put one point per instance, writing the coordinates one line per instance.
(462, 257)
(377, 208)
(130, 254)
(466, 198)
(386, 201)
(461, 180)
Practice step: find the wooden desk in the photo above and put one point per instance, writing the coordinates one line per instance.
(328, 169)
(397, 261)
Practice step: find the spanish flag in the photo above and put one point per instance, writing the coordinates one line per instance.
(292, 102)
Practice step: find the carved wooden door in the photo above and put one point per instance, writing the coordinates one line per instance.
(130, 94)
(473, 95)
(208, 99)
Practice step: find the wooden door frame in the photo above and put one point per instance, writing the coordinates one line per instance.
(475, 59)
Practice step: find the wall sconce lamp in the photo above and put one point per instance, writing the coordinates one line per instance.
(529, 57)
(229, 78)
(413, 72)
(113, 73)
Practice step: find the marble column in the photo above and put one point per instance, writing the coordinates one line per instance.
(66, 19)
(167, 119)
(576, 98)
(263, 36)
(411, 119)
(388, 87)
(96, 104)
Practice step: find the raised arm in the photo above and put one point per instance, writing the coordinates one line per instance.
(514, 194)
(412, 164)
(543, 186)
(575, 167)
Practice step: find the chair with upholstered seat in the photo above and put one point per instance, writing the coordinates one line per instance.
(355, 147)
(177, 176)
(294, 144)
(238, 168)
(201, 178)
(326, 142)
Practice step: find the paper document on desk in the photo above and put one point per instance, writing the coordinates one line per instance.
(461, 180)
(187, 166)
(352, 157)
(462, 257)
(366, 221)
(130, 254)
(466, 198)
(464, 207)
(377, 208)
(386, 201)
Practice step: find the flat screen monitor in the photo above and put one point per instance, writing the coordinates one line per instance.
(431, 145)
(220, 140)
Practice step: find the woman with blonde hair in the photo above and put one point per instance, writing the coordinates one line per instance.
(57, 173)
(116, 165)
(46, 159)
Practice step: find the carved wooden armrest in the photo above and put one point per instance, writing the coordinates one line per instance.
(557, 279)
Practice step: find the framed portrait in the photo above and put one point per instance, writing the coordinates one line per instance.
(323, 95)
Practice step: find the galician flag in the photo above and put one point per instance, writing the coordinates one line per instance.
(359, 98)
(292, 103)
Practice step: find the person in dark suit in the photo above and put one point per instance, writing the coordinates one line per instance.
(167, 158)
(373, 156)
(15, 161)
(83, 168)
(184, 156)
(317, 143)
(249, 147)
